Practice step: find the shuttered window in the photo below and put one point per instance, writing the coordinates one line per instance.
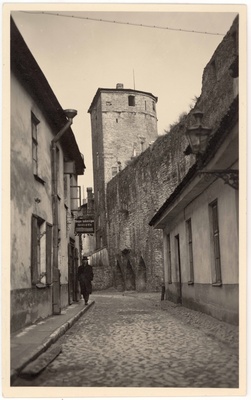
(41, 251)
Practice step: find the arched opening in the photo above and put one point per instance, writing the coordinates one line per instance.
(118, 278)
(141, 276)
(129, 277)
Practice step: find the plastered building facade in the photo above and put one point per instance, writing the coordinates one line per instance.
(42, 269)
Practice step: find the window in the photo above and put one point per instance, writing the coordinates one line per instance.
(153, 106)
(34, 131)
(41, 250)
(75, 191)
(178, 268)
(58, 170)
(216, 243)
(131, 100)
(190, 251)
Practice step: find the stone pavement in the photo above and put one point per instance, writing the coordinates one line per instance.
(31, 342)
(128, 340)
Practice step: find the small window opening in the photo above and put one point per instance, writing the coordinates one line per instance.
(131, 100)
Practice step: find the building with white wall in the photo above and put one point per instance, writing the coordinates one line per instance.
(200, 222)
(44, 193)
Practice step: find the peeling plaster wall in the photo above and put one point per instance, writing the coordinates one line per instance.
(30, 196)
(24, 188)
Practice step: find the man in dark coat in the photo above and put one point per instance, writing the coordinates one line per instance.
(85, 276)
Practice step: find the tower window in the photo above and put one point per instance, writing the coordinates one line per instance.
(131, 100)
(153, 106)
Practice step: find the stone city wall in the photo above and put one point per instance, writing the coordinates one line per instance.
(137, 192)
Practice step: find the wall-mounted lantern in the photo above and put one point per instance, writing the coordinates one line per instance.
(198, 137)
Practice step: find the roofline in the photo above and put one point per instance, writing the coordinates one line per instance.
(227, 122)
(100, 90)
(26, 68)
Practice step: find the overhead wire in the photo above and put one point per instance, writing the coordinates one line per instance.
(123, 23)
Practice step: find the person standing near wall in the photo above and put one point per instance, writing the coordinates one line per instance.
(85, 277)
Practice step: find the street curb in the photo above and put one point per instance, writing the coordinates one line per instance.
(54, 336)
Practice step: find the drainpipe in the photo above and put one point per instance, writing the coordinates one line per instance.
(70, 114)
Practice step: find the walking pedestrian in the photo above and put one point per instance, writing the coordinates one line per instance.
(85, 277)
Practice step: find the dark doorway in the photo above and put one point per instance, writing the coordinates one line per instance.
(71, 275)
(118, 278)
(129, 277)
(141, 276)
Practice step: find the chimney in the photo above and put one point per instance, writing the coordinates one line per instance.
(119, 86)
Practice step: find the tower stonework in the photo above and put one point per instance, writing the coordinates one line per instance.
(123, 124)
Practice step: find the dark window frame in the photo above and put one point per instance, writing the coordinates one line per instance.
(35, 148)
(190, 250)
(215, 234)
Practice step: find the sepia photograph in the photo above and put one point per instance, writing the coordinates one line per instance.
(124, 146)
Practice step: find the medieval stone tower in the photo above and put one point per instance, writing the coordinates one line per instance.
(123, 123)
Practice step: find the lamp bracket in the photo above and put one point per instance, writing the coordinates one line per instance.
(229, 176)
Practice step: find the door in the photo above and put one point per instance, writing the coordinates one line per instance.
(178, 269)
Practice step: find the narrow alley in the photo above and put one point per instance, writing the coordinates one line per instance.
(128, 340)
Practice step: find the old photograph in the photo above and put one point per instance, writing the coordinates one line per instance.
(127, 137)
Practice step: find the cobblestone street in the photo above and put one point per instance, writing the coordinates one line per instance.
(129, 341)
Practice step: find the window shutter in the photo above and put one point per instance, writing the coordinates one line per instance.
(48, 253)
(34, 238)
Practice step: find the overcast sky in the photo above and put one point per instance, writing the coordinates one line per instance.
(78, 56)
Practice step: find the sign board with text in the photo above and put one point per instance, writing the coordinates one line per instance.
(84, 226)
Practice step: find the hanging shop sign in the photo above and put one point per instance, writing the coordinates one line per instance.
(84, 226)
